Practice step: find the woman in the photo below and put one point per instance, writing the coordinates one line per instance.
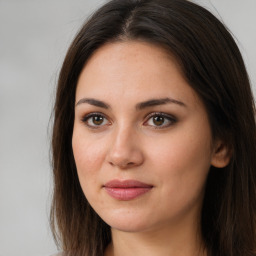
(154, 136)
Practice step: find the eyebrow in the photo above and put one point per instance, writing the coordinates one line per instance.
(94, 102)
(157, 102)
(139, 106)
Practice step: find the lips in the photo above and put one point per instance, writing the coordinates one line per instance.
(127, 189)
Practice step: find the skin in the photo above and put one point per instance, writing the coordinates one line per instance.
(173, 153)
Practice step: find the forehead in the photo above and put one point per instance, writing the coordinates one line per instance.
(124, 52)
(132, 69)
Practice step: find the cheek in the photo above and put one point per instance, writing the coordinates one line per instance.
(180, 166)
(182, 161)
(86, 155)
(181, 151)
(89, 156)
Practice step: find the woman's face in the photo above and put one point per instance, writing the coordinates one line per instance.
(141, 141)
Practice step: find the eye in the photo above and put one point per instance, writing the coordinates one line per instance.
(95, 120)
(160, 120)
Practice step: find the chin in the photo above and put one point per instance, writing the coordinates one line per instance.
(128, 222)
(132, 228)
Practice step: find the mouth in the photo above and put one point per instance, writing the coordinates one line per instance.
(127, 189)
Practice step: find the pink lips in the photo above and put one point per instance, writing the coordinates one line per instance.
(127, 189)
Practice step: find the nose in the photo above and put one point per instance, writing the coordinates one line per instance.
(125, 151)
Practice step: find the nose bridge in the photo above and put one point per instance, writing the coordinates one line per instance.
(125, 150)
(123, 136)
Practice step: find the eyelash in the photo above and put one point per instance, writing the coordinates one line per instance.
(86, 120)
(167, 118)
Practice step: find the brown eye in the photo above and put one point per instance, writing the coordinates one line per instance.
(158, 120)
(95, 120)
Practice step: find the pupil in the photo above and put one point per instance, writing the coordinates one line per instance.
(158, 120)
(97, 120)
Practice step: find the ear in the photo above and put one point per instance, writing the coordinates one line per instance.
(221, 155)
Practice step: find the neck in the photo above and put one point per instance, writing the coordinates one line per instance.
(179, 241)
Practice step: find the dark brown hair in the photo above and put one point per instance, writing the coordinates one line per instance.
(212, 64)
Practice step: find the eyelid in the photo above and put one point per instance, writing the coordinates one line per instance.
(172, 119)
(86, 117)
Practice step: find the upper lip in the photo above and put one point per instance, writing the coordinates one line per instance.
(127, 184)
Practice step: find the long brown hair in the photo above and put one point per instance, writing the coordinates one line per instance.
(212, 64)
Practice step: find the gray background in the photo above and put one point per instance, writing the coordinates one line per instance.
(34, 36)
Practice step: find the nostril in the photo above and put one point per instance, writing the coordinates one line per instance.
(124, 158)
(122, 165)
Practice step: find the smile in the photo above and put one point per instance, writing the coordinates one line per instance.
(127, 189)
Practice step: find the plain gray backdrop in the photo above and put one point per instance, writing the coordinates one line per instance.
(34, 37)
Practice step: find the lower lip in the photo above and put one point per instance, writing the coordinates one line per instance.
(126, 194)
